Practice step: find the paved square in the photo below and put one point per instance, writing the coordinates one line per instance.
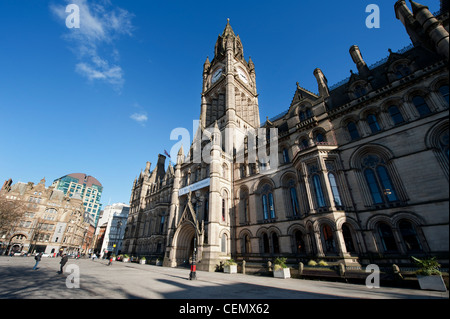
(131, 281)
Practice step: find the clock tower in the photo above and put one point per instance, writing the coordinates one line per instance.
(229, 89)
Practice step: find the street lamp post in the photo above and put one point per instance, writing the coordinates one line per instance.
(193, 274)
(119, 224)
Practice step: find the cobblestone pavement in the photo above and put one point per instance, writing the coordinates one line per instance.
(135, 281)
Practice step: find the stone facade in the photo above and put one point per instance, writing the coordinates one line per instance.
(52, 222)
(360, 173)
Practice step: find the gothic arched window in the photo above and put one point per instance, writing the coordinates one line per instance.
(359, 90)
(286, 155)
(299, 244)
(373, 123)
(353, 130)
(378, 180)
(348, 238)
(387, 237)
(409, 236)
(402, 70)
(275, 244)
(396, 116)
(328, 239)
(443, 89)
(268, 202)
(294, 201)
(265, 239)
(223, 243)
(334, 189)
(318, 191)
(421, 106)
(223, 210)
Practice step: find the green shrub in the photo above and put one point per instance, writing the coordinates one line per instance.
(312, 263)
(281, 262)
(322, 263)
(230, 262)
(427, 267)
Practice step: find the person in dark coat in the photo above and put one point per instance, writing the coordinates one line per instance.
(63, 262)
(38, 259)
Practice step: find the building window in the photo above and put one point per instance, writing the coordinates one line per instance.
(285, 155)
(224, 243)
(378, 180)
(161, 224)
(294, 201)
(443, 89)
(359, 91)
(353, 131)
(348, 239)
(328, 239)
(320, 138)
(409, 236)
(402, 70)
(373, 123)
(275, 244)
(304, 143)
(318, 191)
(223, 210)
(266, 248)
(421, 106)
(268, 203)
(334, 189)
(242, 168)
(395, 114)
(302, 116)
(387, 237)
(265, 207)
(299, 244)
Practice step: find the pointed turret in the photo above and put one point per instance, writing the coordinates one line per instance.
(357, 58)
(322, 83)
(436, 33)
(206, 65)
(228, 41)
(416, 7)
(228, 31)
(180, 156)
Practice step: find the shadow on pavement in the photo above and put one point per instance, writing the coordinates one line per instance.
(21, 282)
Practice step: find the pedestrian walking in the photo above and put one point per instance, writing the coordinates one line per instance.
(38, 259)
(63, 262)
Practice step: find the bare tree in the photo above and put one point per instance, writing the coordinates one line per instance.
(11, 213)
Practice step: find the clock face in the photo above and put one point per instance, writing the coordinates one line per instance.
(216, 75)
(242, 76)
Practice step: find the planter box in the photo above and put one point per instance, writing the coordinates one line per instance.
(230, 269)
(282, 273)
(143, 262)
(126, 259)
(431, 283)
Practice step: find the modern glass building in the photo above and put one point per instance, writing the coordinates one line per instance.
(88, 188)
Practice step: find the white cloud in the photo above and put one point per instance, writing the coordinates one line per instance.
(141, 118)
(100, 26)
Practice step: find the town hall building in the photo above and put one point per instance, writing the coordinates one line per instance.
(358, 173)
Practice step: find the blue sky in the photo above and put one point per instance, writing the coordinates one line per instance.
(104, 98)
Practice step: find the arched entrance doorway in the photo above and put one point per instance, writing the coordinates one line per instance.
(184, 244)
